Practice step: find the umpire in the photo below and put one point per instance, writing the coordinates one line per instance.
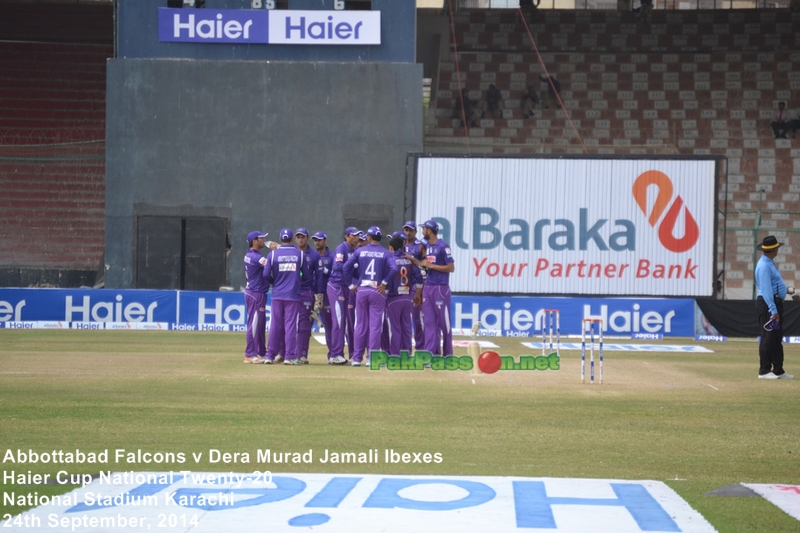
(769, 306)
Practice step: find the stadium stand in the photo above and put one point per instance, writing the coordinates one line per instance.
(707, 88)
(691, 82)
(52, 142)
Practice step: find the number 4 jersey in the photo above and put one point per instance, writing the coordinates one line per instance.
(376, 266)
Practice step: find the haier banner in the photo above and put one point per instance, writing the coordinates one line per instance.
(225, 311)
(522, 316)
(573, 226)
(86, 306)
(213, 311)
(249, 26)
(122, 309)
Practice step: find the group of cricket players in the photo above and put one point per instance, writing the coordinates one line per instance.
(362, 293)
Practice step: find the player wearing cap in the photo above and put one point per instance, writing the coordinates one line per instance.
(403, 292)
(255, 299)
(308, 273)
(415, 251)
(385, 338)
(323, 259)
(771, 291)
(339, 296)
(282, 271)
(351, 304)
(436, 293)
(376, 268)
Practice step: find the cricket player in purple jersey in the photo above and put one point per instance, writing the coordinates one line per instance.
(323, 259)
(385, 342)
(308, 272)
(282, 271)
(351, 304)
(403, 292)
(415, 251)
(436, 293)
(255, 299)
(376, 267)
(339, 296)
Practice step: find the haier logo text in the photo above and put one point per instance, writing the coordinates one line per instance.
(523, 316)
(9, 311)
(269, 27)
(212, 26)
(108, 311)
(324, 27)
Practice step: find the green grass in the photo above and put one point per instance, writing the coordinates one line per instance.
(696, 421)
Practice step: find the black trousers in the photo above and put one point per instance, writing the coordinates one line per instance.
(770, 348)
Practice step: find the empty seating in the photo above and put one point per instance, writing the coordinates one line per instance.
(670, 87)
(52, 154)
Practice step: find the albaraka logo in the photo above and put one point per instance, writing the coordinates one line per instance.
(666, 226)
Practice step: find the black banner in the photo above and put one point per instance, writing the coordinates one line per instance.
(738, 318)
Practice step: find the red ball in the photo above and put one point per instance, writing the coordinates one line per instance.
(489, 362)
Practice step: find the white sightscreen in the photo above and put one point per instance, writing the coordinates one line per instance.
(573, 226)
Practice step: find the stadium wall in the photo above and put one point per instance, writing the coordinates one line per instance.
(263, 144)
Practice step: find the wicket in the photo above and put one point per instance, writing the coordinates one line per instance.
(547, 319)
(590, 323)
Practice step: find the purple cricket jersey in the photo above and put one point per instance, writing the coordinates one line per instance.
(408, 276)
(340, 257)
(415, 250)
(308, 284)
(283, 272)
(438, 253)
(255, 299)
(308, 271)
(324, 264)
(399, 310)
(254, 263)
(376, 266)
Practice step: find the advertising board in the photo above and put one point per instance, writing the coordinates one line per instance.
(573, 226)
(250, 26)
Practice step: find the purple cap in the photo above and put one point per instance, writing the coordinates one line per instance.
(301, 231)
(410, 224)
(351, 231)
(362, 236)
(374, 231)
(320, 236)
(431, 225)
(286, 234)
(399, 235)
(253, 235)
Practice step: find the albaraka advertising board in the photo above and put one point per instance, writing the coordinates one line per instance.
(573, 225)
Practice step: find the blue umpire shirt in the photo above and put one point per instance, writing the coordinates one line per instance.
(769, 282)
